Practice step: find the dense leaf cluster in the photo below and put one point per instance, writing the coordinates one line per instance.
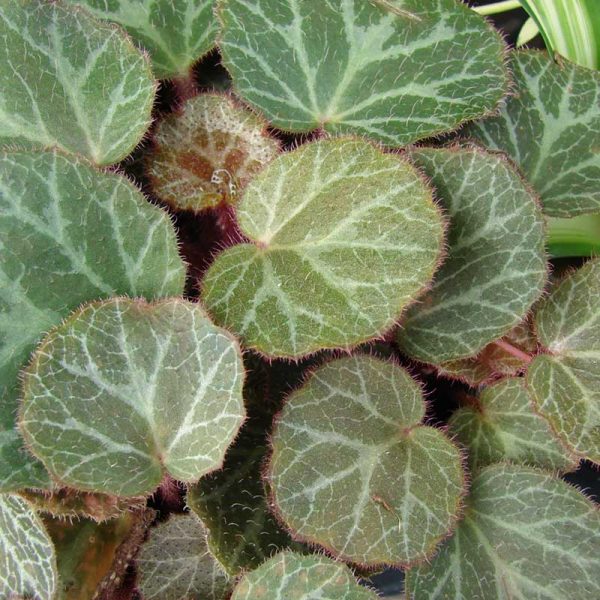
(401, 233)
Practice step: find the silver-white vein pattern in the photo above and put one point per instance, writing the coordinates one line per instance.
(353, 468)
(71, 81)
(393, 71)
(27, 560)
(343, 237)
(124, 391)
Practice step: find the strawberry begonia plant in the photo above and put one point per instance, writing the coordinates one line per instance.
(358, 192)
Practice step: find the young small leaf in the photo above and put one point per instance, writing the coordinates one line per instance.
(175, 563)
(26, 552)
(69, 233)
(342, 238)
(551, 128)
(71, 81)
(565, 383)
(363, 67)
(525, 534)
(176, 33)
(502, 358)
(124, 391)
(496, 267)
(205, 154)
(354, 469)
(502, 425)
(291, 576)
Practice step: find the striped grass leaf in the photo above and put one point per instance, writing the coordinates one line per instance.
(70, 81)
(565, 382)
(26, 552)
(354, 469)
(342, 237)
(175, 563)
(525, 534)
(125, 391)
(393, 71)
(501, 358)
(502, 425)
(176, 33)
(550, 127)
(496, 266)
(69, 233)
(569, 27)
(206, 153)
(291, 576)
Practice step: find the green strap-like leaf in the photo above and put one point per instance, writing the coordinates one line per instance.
(569, 27)
(290, 576)
(496, 267)
(70, 81)
(176, 33)
(502, 358)
(343, 237)
(354, 470)
(392, 71)
(125, 391)
(550, 127)
(68, 234)
(565, 383)
(175, 563)
(27, 560)
(205, 154)
(502, 425)
(526, 535)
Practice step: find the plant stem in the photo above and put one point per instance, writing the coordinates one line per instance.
(185, 86)
(514, 351)
(579, 236)
(498, 7)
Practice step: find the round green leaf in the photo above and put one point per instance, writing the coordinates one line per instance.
(342, 238)
(550, 127)
(565, 383)
(124, 391)
(70, 81)
(353, 468)
(26, 552)
(395, 72)
(176, 33)
(175, 563)
(525, 535)
(206, 153)
(290, 576)
(496, 266)
(69, 234)
(502, 425)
